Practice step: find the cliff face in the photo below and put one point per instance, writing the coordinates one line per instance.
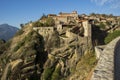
(60, 57)
(70, 59)
(24, 56)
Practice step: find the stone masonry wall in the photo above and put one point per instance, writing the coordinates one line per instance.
(44, 30)
(105, 66)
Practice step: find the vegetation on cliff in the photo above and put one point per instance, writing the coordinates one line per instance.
(25, 57)
(112, 36)
(48, 21)
(26, 47)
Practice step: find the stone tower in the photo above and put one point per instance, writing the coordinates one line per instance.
(87, 32)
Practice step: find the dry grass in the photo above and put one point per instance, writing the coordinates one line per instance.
(85, 66)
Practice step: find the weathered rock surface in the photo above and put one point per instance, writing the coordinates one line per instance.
(29, 57)
(66, 61)
(25, 57)
(12, 70)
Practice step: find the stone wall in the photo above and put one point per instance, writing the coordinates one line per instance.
(104, 69)
(87, 28)
(88, 32)
(82, 40)
(44, 30)
(73, 14)
(117, 61)
(98, 51)
(62, 19)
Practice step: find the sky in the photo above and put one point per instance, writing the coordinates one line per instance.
(15, 12)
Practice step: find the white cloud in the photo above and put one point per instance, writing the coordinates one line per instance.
(115, 5)
(101, 2)
(112, 3)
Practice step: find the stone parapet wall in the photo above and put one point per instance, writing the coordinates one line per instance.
(98, 51)
(44, 30)
(104, 69)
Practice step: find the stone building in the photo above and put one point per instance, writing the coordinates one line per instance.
(52, 15)
(64, 18)
(73, 14)
(62, 24)
(60, 19)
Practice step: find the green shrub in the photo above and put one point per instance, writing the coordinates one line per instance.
(50, 22)
(34, 76)
(112, 36)
(47, 73)
(108, 23)
(4, 46)
(19, 32)
(43, 17)
(20, 44)
(102, 25)
(2, 41)
(37, 24)
(56, 74)
(86, 64)
(8, 43)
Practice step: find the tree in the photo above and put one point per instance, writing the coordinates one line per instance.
(43, 16)
(104, 15)
(111, 15)
(60, 13)
(108, 23)
(102, 25)
(92, 14)
(21, 25)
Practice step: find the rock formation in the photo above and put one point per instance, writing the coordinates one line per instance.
(28, 56)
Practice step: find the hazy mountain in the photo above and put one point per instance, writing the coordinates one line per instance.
(7, 31)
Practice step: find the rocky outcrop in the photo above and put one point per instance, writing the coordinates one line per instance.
(31, 57)
(12, 70)
(25, 57)
(105, 66)
(54, 39)
(63, 60)
(66, 61)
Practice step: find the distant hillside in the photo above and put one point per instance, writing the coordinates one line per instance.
(7, 31)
